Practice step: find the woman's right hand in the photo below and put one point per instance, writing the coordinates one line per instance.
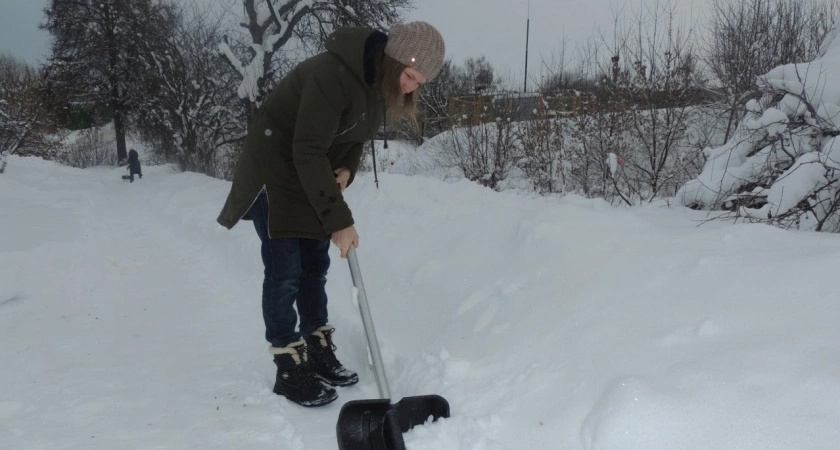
(343, 239)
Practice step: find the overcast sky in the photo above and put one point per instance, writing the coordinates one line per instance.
(497, 28)
(471, 28)
(19, 33)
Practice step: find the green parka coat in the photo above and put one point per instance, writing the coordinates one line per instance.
(316, 120)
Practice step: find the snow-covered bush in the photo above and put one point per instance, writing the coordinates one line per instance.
(485, 153)
(89, 148)
(782, 164)
(543, 147)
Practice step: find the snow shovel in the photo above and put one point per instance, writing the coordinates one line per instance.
(377, 424)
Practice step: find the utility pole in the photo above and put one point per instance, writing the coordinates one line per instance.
(527, 35)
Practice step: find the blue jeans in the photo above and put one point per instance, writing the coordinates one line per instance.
(295, 275)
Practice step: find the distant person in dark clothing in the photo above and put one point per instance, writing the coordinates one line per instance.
(133, 165)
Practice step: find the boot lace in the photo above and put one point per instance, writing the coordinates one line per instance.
(303, 371)
(327, 353)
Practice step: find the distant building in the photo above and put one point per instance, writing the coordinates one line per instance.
(515, 106)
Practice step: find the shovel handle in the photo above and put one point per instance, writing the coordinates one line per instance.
(367, 321)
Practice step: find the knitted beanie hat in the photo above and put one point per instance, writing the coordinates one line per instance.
(417, 45)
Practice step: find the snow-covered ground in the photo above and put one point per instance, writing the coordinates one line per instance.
(131, 320)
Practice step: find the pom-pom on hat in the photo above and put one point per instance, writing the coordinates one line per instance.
(417, 45)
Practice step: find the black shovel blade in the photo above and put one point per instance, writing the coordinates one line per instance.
(378, 425)
(369, 425)
(416, 410)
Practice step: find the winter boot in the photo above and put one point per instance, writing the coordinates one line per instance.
(295, 378)
(323, 361)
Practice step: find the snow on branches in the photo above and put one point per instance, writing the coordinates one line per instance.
(782, 164)
(271, 25)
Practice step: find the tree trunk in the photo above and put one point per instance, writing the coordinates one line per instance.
(119, 129)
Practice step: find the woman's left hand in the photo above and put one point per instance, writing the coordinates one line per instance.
(342, 176)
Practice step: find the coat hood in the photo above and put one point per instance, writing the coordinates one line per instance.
(352, 45)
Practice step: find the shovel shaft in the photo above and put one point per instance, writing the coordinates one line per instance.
(367, 321)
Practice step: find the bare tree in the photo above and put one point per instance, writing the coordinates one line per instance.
(433, 112)
(271, 25)
(748, 38)
(558, 74)
(471, 79)
(659, 91)
(543, 144)
(24, 119)
(543, 136)
(484, 153)
(599, 127)
(627, 137)
(190, 108)
(95, 53)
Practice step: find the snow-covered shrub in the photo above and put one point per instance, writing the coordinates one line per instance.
(631, 142)
(782, 164)
(485, 153)
(543, 145)
(595, 133)
(89, 148)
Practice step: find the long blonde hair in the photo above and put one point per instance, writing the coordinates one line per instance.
(400, 106)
